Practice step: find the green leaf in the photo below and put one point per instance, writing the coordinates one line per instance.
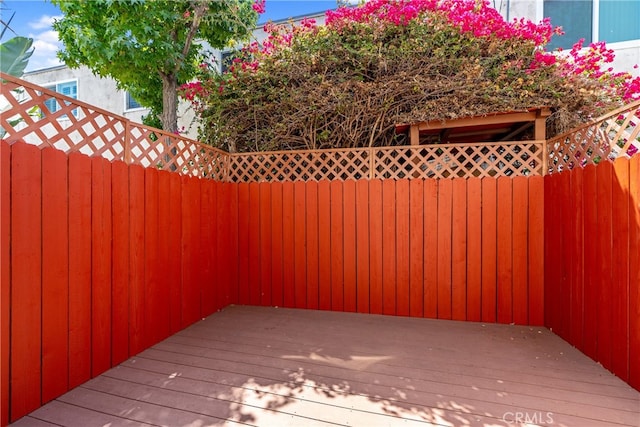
(15, 54)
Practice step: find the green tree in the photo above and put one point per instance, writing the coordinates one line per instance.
(149, 47)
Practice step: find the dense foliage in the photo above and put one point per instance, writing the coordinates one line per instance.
(149, 47)
(348, 83)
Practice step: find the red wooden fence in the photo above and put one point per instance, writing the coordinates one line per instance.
(100, 260)
(592, 262)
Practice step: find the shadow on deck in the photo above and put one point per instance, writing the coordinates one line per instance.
(276, 367)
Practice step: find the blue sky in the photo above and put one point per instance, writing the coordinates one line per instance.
(33, 19)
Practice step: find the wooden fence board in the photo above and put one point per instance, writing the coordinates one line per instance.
(254, 243)
(489, 242)
(80, 269)
(151, 258)
(459, 250)
(243, 243)
(536, 250)
(324, 245)
(620, 273)
(214, 285)
(55, 274)
(206, 239)
(591, 224)
(402, 248)
(445, 188)
(100, 265)
(634, 272)
(416, 248)
(191, 307)
(549, 248)
(232, 251)
(265, 244)
(165, 254)
(603, 250)
(362, 246)
(474, 250)
(389, 289)
(430, 282)
(349, 221)
(120, 259)
(504, 256)
(277, 296)
(312, 231)
(288, 242)
(577, 260)
(300, 258)
(5, 278)
(564, 220)
(520, 250)
(174, 240)
(337, 247)
(375, 242)
(26, 290)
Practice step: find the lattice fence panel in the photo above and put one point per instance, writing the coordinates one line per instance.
(300, 165)
(609, 137)
(77, 126)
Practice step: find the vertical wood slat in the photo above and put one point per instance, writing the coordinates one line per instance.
(349, 248)
(430, 274)
(137, 329)
(577, 261)
(362, 246)
(590, 264)
(489, 242)
(337, 247)
(504, 246)
(445, 189)
(26, 291)
(389, 263)
(324, 245)
(265, 244)
(55, 274)
(520, 250)
(207, 247)
(5, 278)
(299, 296)
(288, 244)
(165, 254)
(416, 248)
(243, 243)
(474, 250)
(376, 244)
(563, 255)
(277, 258)
(402, 237)
(536, 229)
(459, 250)
(312, 246)
(603, 250)
(634, 272)
(174, 242)
(254, 244)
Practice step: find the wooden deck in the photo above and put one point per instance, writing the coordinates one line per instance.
(277, 367)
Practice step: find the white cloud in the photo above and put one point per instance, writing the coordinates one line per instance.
(45, 44)
(45, 21)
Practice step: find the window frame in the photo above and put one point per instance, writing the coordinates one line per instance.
(54, 86)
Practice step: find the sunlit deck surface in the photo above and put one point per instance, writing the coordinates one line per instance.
(278, 367)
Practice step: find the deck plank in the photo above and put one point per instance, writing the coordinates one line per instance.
(266, 366)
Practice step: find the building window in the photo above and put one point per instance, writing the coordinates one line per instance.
(615, 21)
(226, 58)
(69, 89)
(130, 102)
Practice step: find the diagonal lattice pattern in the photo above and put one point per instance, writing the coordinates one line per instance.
(615, 135)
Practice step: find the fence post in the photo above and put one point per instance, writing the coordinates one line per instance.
(127, 142)
(545, 158)
(372, 163)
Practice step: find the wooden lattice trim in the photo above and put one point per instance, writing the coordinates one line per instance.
(614, 135)
(78, 126)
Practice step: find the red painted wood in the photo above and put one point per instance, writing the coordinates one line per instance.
(337, 247)
(575, 249)
(191, 308)
(362, 245)
(563, 254)
(79, 269)
(300, 259)
(174, 242)
(324, 245)
(288, 244)
(375, 248)
(445, 209)
(403, 300)
(552, 257)
(349, 220)
(207, 246)
(520, 249)
(152, 273)
(536, 251)
(591, 279)
(165, 253)
(254, 243)
(489, 254)
(620, 272)
(231, 249)
(504, 250)
(430, 281)
(100, 265)
(634, 272)
(459, 249)
(312, 231)
(603, 250)
(243, 243)
(277, 258)
(416, 247)
(389, 289)
(265, 244)
(55, 274)
(211, 247)
(120, 259)
(5, 277)
(474, 249)
(26, 292)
